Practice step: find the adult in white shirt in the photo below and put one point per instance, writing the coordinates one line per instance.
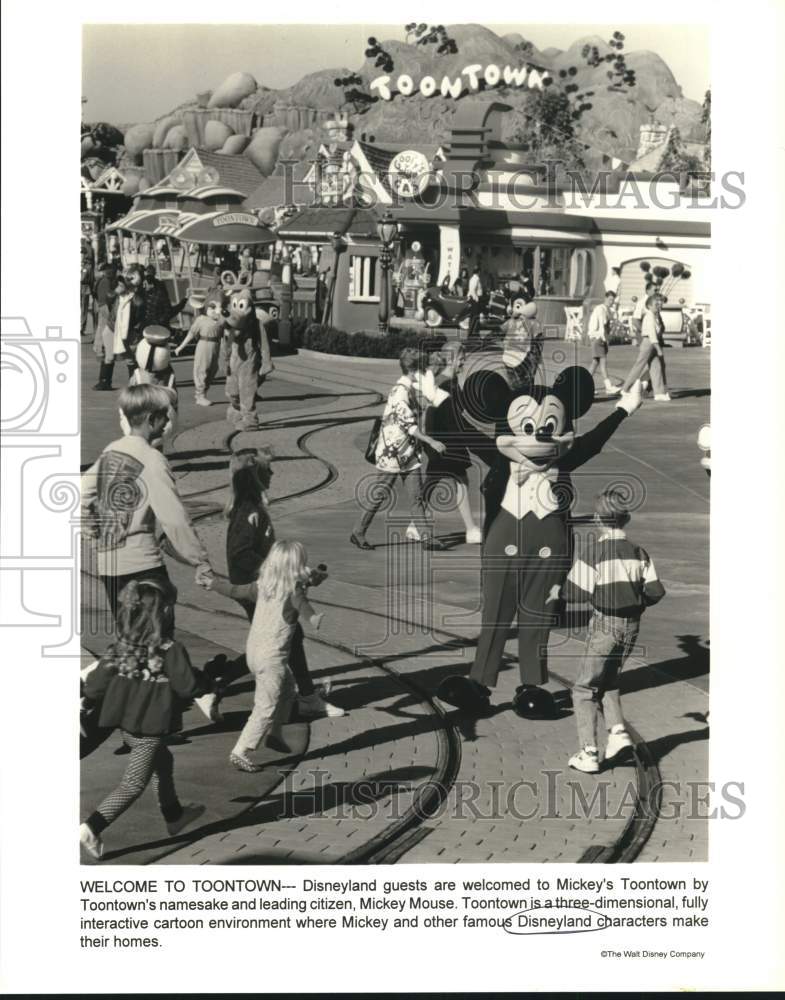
(475, 286)
(650, 352)
(599, 331)
(474, 296)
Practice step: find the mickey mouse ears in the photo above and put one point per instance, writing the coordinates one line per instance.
(575, 388)
(487, 395)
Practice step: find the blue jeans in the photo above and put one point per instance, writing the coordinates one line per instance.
(608, 644)
(648, 358)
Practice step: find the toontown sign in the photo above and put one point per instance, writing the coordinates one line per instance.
(470, 78)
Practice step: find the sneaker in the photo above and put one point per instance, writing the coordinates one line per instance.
(611, 389)
(91, 842)
(618, 740)
(242, 763)
(412, 534)
(586, 760)
(474, 536)
(662, 397)
(313, 706)
(208, 706)
(203, 401)
(644, 385)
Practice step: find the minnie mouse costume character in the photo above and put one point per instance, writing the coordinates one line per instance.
(528, 546)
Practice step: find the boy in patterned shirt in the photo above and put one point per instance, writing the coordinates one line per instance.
(620, 583)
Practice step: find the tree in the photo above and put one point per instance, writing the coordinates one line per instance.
(353, 85)
(706, 122)
(549, 129)
(354, 94)
(677, 161)
(101, 141)
(430, 34)
(675, 158)
(553, 116)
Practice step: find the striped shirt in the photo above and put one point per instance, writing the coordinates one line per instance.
(621, 579)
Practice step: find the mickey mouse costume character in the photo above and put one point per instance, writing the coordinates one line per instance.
(528, 548)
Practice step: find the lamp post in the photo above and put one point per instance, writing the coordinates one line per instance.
(338, 244)
(387, 231)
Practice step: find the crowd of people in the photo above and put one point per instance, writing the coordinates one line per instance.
(141, 683)
(146, 676)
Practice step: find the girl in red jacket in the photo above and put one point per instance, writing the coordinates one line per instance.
(142, 682)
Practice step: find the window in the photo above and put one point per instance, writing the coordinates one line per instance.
(548, 267)
(363, 282)
(553, 272)
(581, 273)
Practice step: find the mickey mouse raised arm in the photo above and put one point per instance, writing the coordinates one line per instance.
(528, 546)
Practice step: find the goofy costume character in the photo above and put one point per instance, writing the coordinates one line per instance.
(248, 360)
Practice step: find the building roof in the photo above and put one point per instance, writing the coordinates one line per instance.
(230, 171)
(282, 187)
(235, 171)
(324, 221)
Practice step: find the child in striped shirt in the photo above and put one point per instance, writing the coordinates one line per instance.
(620, 583)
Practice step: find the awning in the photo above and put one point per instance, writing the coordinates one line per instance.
(149, 221)
(211, 191)
(223, 228)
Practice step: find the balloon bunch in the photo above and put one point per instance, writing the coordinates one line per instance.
(663, 279)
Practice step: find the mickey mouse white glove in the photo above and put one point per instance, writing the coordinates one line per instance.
(427, 386)
(630, 401)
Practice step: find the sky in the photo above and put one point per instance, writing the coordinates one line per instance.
(135, 73)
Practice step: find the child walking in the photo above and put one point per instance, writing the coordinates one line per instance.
(249, 539)
(620, 582)
(140, 683)
(280, 601)
(207, 330)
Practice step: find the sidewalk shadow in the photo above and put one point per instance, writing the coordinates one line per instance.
(664, 745)
(688, 393)
(695, 663)
(185, 456)
(290, 804)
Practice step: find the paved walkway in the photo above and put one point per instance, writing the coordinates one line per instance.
(392, 608)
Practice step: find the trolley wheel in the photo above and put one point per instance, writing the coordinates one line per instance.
(433, 318)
